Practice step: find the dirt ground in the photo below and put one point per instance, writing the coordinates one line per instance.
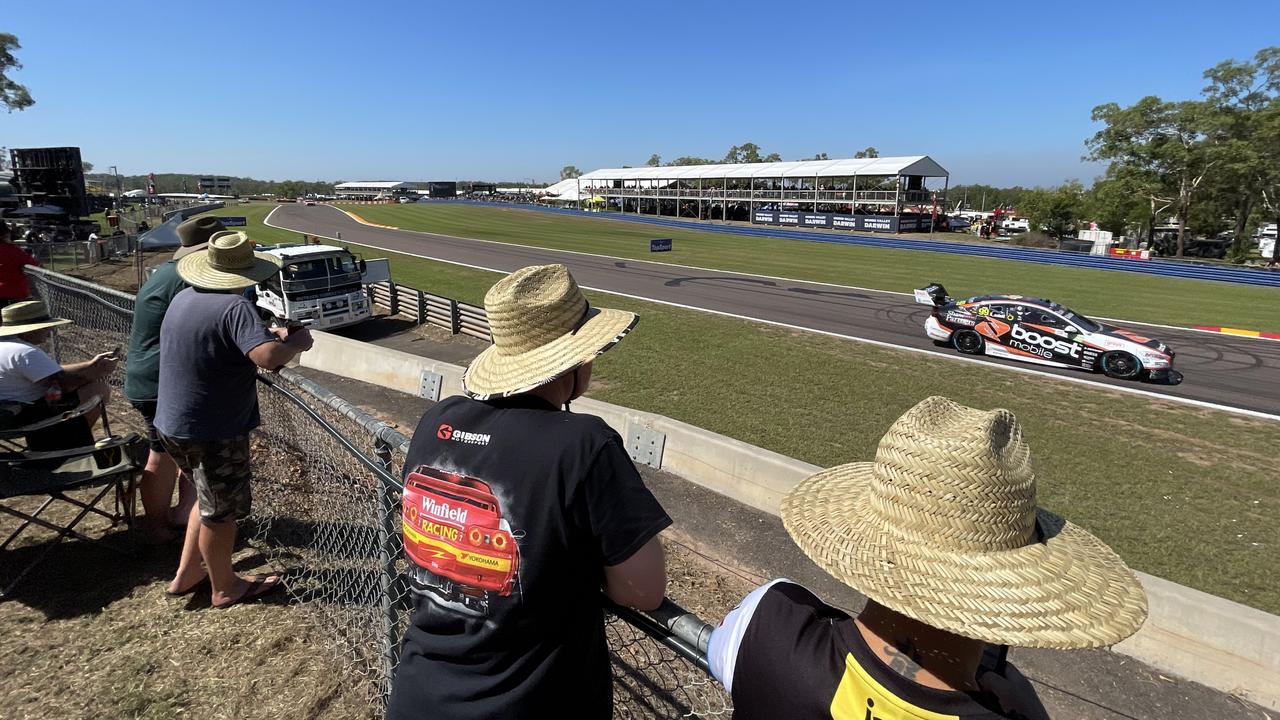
(92, 634)
(122, 273)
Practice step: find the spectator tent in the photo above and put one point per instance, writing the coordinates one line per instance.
(887, 193)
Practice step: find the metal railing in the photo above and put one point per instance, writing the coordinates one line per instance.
(424, 308)
(327, 514)
(81, 253)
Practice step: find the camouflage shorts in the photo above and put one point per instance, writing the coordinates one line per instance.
(221, 473)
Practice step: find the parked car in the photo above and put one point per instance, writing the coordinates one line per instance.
(1015, 225)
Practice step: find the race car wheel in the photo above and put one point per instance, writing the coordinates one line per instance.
(968, 342)
(1121, 365)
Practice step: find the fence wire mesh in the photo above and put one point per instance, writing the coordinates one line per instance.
(326, 513)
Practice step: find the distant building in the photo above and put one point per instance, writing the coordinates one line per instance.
(371, 189)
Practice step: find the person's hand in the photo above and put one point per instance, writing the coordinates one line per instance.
(1013, 693)
(105, 362)
(280, 332)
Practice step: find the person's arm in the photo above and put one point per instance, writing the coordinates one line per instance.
(269, 349)
(726, 639)
(625, 519)
(76, 375)
(277, 352)
(640, 581)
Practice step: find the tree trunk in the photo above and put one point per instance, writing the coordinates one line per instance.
(1242, 217)
(1275, 246)
(1182, 232)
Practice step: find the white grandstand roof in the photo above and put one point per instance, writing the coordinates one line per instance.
(377, 184)
(568, 190)
(884, 166)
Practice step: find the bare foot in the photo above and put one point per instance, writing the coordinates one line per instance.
(188, 582)
(245, 590)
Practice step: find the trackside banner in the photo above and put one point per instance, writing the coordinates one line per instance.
(872, 223)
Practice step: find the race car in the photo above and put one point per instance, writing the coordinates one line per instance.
(1042, 332)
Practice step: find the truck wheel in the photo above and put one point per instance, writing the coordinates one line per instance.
(1120, 365)
(968, 342)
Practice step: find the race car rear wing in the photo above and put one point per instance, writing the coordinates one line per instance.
(932, 294)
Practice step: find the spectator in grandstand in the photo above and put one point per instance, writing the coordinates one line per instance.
(212, 343)
(13, 282)
(943, 536)
(572, 516)
(33, 386)
(142, 378)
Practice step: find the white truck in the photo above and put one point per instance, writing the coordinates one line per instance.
(319, 286)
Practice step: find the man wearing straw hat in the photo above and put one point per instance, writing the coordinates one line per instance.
(517, 514)
(33, 386)
(942, 534)
(212, 343)
(142, 380)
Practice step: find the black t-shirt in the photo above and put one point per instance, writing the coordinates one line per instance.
(787, 654)
(511, 511)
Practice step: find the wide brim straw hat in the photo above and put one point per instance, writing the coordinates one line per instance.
(542, 328)
(228, 262)
(29, 316)
(943, 528)
(194, 234)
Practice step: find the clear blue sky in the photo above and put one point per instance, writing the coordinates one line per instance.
(996, 92)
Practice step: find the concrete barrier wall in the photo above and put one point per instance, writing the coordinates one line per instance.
(1202, 637)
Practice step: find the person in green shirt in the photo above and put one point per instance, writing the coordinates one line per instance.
(141, 385)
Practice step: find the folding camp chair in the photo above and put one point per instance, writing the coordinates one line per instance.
(110, 464)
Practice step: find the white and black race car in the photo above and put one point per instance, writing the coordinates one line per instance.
(1043, 332)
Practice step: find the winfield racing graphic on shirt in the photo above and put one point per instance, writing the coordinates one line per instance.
(463, 550)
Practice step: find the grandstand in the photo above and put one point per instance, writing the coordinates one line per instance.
(370, 189)
(880, 194)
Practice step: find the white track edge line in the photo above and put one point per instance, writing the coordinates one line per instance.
(744, 274)
(880, 343)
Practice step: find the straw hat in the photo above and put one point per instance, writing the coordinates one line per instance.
(943, 527)
(542, 328)
(228, 263)
(194, 234)
(29, 316)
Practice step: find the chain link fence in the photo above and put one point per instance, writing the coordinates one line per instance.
(327, 514)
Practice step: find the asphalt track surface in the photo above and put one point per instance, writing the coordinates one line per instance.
(1220, 370)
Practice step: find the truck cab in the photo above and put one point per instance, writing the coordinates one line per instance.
(320, 286)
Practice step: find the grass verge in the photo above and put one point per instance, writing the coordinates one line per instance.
(1171, 301)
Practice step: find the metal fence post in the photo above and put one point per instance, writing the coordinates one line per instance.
(388, 531)
(422, 308)
(75, 256)
(394, 300)
(455, 318)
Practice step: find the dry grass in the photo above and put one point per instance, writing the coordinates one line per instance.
(92, 634)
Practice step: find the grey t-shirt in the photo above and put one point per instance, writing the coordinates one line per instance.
(207, 389)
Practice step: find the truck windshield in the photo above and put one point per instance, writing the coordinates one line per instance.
(304, 275)
(320, 268)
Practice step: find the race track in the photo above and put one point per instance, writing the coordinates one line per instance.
(1236, 372)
